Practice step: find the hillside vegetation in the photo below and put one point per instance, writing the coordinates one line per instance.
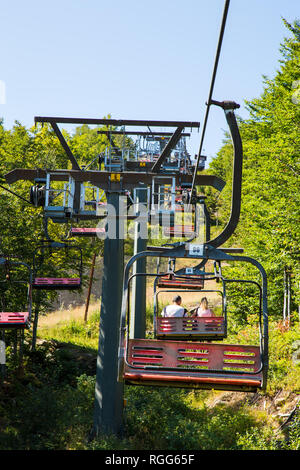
(48, 404)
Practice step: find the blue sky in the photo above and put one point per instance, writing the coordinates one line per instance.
(137, 60)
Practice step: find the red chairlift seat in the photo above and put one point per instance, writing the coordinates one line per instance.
(189, 328)
(15, 276)
(86, 232)
(189, 282)
(49, 283)
(183, 207)
(179, 231)
(14, 319)
(196, 365)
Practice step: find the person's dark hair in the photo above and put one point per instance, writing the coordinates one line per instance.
(177, 298)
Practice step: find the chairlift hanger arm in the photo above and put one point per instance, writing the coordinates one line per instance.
(237, 174)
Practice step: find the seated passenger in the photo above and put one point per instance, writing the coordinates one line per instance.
(203, 310)
(175, 309)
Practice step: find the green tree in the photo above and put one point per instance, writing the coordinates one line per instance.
(269, 223)
(21, 224)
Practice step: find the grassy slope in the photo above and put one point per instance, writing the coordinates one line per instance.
(49, 404)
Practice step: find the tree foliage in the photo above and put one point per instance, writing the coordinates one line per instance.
(21, 224)
(269, 223)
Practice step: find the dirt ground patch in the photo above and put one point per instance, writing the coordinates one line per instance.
(64, 316)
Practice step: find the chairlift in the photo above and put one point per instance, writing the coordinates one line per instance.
(185, 278)
(184, 230)
(63, 198)
(192, 364)
(190, 328)
(179, 281)
(86, 231)
(46, 250)
(20, 283)
(162, 205)
(191, 277)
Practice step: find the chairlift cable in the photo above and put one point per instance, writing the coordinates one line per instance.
(226, 7)
(15, 194)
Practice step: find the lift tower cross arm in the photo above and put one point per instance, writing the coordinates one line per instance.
(101, 179)
(115, 122)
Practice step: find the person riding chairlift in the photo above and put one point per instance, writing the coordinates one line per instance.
(175, 309)
(203, 310)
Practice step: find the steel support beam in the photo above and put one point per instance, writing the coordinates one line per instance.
(168, 148)
(154, 134)
(65, 146)
(108, 408)
(115, 122)
(138, 304)
(75, 165)
(103, 179)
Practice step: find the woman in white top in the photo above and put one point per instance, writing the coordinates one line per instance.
(203, 310)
